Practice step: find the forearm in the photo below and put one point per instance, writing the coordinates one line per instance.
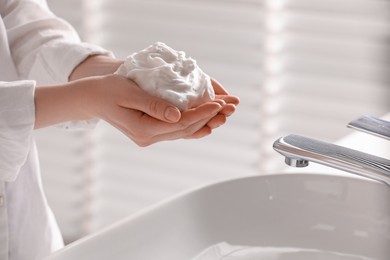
(61, 103)
(96, 65)
(71, 101)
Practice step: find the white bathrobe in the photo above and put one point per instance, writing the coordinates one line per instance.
(36, 48)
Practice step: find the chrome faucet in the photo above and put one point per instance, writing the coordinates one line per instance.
(371, 125)
(299, 150)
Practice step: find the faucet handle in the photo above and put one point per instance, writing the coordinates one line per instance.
(371, 125)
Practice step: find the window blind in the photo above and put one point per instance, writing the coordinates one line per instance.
(326, 64)
(305, 67)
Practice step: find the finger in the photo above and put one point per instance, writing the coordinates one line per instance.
(219, 90)
(160, 109)
(188, 118)
(204, 131)
(216, 121)
(220, 101)
(143, 135)
(202, 112)
(228, 99)
(155, 107)
(188, 132)
(228, 110)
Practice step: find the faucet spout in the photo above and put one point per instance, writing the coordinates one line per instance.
(299, 151)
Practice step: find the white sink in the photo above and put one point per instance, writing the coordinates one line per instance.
(335, 213)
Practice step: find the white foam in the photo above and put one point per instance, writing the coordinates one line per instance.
(166, 73)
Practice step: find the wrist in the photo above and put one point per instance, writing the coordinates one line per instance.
(87, 94)
(71, 101)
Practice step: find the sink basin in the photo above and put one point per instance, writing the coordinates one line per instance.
(325, 212)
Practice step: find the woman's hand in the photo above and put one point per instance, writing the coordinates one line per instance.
(119, 101)
(146, 119)
(98, 65)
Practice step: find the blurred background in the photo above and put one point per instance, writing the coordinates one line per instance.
(299, 66)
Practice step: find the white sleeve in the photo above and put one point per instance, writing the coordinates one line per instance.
(17, 115)
(44, 47)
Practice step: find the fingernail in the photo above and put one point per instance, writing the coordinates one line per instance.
(172, 114)
(217, 109)
(220, 101)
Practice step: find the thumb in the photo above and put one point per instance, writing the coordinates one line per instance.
(153, 106)
(161, 110)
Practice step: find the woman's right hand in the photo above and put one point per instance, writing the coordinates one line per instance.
(146, 119)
